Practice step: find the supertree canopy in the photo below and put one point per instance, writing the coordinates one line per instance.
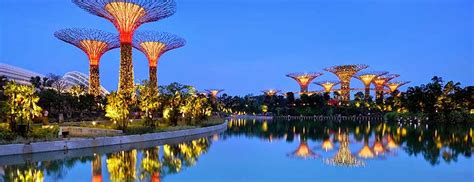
(345, 73)
(127, 16)
(327, 85)
(153, 45)
(94, 43)
(270, 92)
(379, 83)
(394, 85)
(367, 78)
(304, 79)
(303, 151)
(214, 92)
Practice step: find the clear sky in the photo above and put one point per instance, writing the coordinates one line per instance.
(249, 45)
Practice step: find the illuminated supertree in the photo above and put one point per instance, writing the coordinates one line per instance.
(344, 156)
(94, 43)
(303, 151)
(394, 85)
(345, 73)
(304, 79)
(270, 92)
(97, 168)
(127, 16)
(379, 83)
(214, 92)
(327, 85)
(153, 45)
(367, 78)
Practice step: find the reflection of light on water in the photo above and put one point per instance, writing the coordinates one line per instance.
(303, 151)
(365, 152)
(97, 168)
(343, 156)
(327, 145)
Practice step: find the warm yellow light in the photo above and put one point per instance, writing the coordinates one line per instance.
(94, 49)
(327, 145)
(152, 50)
(393, 86)
(328, 86)
(367, 79)
(366, 152)
(303, 150)
(127, 16)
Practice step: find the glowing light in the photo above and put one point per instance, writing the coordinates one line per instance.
(152, 50)
(393, 86)
(303, 151)
(127, 16)
(378, 148)
(343, 156)
(270, 92)
(366, 152)
(304, 79)
(327, 145)
(345, 73)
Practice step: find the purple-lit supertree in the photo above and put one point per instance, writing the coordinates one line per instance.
(153, 45)
(367, 78)
(304, 79)
(94, 43)
(127, 16)
(345, 73)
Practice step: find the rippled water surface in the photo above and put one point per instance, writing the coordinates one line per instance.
(269, 151)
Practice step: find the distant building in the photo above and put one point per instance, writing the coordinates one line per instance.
(23, 76)
(77, 78)
(20, 75)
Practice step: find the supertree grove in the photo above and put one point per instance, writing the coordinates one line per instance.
(94, 43)
(304, 79)
(379, 83)
(327, 85)
(345, 73)
(127, 16)
(394, 85)
(153, 45)
(367, 78)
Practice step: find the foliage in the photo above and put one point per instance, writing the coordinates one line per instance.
(148, 101)
(118, 108)
(21, 105)
(180, 100)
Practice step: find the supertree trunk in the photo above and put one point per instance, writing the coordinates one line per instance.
(367, 93)
(126, 67)
(303, 88)
(345, 91)
(379, 95)
(94, 83)
(153, 76)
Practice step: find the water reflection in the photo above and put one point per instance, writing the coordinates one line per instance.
(436, 142)
(131, 165)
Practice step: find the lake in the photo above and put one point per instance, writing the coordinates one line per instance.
(276, 150)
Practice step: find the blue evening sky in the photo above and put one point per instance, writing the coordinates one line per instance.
(249, 45)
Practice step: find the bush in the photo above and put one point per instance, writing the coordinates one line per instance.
(6, 134)
(44, 133)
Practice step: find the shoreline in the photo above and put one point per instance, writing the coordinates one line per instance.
(81, 143)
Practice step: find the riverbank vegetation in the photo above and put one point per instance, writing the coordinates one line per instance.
(48, 102)
(434, 101)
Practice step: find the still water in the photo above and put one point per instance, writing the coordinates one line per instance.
(269, 151)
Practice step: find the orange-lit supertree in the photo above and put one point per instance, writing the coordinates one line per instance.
(379, 83)
(94, 43)
(367, 78)
(271, 92)
(394, 85)
(327, 85)
(213, 92)
(127, 16)
(153, 45)
(304, 79)
(345, 73)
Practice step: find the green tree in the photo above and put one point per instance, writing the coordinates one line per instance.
(21, 105)
(118, 108)
(148, 101)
